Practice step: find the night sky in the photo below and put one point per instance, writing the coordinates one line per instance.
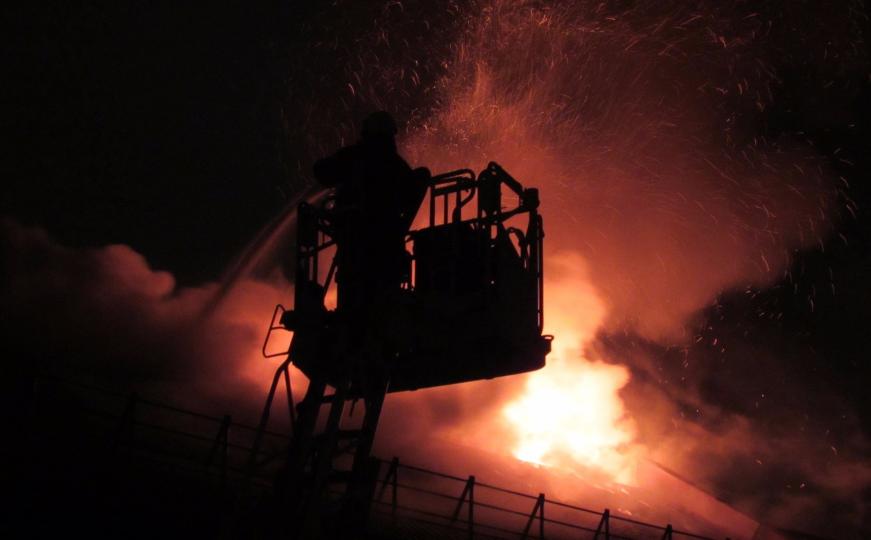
(181, 131)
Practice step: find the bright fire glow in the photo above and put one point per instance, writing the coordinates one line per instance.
(570, 413)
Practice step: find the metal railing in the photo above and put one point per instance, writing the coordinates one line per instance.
(185, 440)
(220, 448)
(479, 510)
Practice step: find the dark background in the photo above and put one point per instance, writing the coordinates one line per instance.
(180, 130)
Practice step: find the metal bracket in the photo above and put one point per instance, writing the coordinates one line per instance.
(272, 327)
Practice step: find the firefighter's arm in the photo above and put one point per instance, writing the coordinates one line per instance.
(333, 170)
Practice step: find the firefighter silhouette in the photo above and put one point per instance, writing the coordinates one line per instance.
(377, 196)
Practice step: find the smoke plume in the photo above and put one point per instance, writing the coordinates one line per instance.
(105, 314)
(643, 125)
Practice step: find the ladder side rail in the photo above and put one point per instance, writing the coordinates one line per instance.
(310, 510)
(264, 417)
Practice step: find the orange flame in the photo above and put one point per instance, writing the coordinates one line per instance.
(570, 413)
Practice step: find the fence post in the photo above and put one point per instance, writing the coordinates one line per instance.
(392, 477)
(604, 523)
(667, 534)
(393, 485)
(537, 509)
(222, 444)
(468, 491)
(471, 507)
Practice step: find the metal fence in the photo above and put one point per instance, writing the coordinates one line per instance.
(409, 501)
(469, 508)
(186, 441)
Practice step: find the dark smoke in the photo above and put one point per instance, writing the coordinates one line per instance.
(106, 315)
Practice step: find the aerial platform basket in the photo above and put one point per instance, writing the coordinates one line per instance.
(470, 307)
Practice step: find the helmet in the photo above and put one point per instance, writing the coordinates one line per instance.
(378, 124)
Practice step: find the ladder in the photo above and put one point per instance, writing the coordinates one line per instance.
(315, 476)
(329, 469)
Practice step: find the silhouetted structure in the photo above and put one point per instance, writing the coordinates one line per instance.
(123, 465)
(376, 198)
(464, 304)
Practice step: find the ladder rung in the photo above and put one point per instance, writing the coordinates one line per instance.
(328, 398)
(343, 434)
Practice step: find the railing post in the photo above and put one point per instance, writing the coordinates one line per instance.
(604, 523)
(393, 485)
(667, 534)
(471, 507)
(537, 509)
(222, 444)
(468, 491)
(392, 477)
